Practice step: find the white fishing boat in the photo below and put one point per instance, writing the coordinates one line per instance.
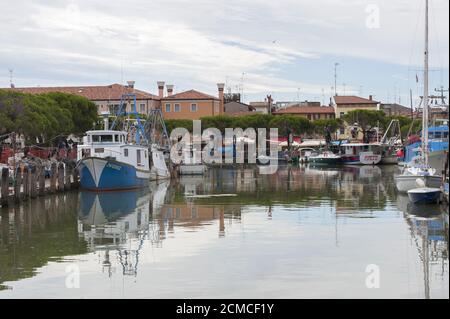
(107, 162)
(360, 153)
(420, 173)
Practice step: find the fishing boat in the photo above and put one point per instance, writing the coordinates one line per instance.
(111, 159)
(325, 158)
(360, 153)
(106, 161)
(424, 195)
(420, 173)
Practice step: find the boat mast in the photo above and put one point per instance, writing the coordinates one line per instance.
(425, 93)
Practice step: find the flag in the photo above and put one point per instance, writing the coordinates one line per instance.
(417, 78)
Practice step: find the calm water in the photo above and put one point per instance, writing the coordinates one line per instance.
(301, 233)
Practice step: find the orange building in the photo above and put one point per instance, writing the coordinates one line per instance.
(310, 112)
(192, 104)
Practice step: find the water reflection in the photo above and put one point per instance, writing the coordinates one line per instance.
(127, 231)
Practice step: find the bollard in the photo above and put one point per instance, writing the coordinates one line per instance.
(61, 177)
(54, 175)
(17, 184)
(26, 182)
(75, 177)
(68, 175)
(33, 182)
(4, 186)
(41, 178)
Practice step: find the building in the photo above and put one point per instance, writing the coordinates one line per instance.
(106, 97)
(310, 112)
(234, 107)
(191, 104)
(260, 107)
(346, 103)
(395, 109)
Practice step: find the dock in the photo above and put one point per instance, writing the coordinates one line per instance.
(30, 182)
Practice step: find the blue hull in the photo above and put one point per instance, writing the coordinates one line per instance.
(100, 174)
(424, 198)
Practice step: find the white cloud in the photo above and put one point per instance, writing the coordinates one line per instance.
(198, 43)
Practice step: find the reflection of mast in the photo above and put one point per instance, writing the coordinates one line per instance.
(129, 258)
(426, 264)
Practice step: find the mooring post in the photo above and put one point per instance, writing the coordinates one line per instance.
(33, 180)
(60, 177)
(4, 185)
(68, 175)
(41, 178)
(75, 177)
(17, 184)
(54, 175)
(26, 182)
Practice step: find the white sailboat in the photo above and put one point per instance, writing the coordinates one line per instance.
(420, 173)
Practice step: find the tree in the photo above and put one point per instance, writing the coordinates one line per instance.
(291, 124)
(365, 119)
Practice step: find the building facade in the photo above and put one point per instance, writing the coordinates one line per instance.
(106, 97)
(192, 105)
(344, 104)
(311, 113)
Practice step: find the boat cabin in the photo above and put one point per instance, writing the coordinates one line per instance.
(113, 145)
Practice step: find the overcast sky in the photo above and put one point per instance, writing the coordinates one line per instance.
(286, 48)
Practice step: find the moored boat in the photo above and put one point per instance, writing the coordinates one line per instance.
(325, 158)
(107, 162)
(424, 195)
(360, 153)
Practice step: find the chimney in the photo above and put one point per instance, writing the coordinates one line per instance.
(220, 87)
(169, 89)
(161, 89)
(131, 84)
(370, 97)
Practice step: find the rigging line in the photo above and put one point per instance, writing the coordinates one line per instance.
(411, 51)
(436, 31)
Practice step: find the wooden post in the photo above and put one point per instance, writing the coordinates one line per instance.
(75, 177)
(33, 180)
(60, 177)
(4, 185)
(26, 183)
(41, 178)
(54, 175)
(17, 184)
(68, 175)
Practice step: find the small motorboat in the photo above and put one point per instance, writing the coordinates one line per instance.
(424, 195)
(325, 158)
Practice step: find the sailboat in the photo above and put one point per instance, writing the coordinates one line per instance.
(421, 173)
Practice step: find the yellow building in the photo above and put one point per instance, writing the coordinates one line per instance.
(346, 103)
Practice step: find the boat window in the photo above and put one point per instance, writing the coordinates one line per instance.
(107, 138)
(138, 160)
(445, 134)
(437, 135)
(125, 152)
(145, 154)
(116, 138)
(95, 138)
(99, 150)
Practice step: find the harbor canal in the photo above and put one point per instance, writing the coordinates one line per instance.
(304, 232)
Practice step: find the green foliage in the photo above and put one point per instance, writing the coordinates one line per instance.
(332, 124)
(291, 124)
(44, 116)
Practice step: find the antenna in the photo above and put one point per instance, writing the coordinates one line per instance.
(335, 78)
(11, 84)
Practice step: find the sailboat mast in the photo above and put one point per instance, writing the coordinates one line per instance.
(425, 93)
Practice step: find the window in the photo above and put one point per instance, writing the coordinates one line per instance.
(138, 155)
(106, 138)
(116, 138)
(437, 134)
(177, 107)
(125, 152)
(342, 130)
(142, 108)
(342, 114)
(168, 107)
(194, 107)
(309, 116)
(95, 138)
